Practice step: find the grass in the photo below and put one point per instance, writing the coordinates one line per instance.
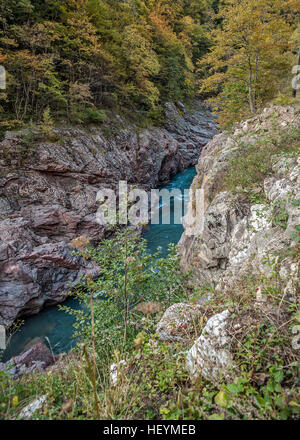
(252, 163)
(154, 384)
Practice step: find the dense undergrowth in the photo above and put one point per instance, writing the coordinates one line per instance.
(118, 323)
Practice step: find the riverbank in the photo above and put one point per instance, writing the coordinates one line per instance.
(54, 326)
(191, 348)
(48, 187)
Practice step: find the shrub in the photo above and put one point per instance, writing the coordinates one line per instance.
(93, 116)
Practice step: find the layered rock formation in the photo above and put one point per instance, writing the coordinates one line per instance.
(230, 236)
(48, 196)
(244, 238)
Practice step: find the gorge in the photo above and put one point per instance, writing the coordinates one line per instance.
(239, 267)
(115, 111)
(48, 198)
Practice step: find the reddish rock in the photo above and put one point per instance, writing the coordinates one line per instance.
(48, 197)
(37, 358)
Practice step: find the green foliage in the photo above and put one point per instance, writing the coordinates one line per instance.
(284, 99)
(280, 215)
(251, 53)
(129, 276)
(47, 123)
(254, 162)
(80, 57)
(94, 116)
(153, 383)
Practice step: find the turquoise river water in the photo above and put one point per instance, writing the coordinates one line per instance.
(55, 326)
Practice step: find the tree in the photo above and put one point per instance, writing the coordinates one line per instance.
(249, 56)
(133, 283)
(80, 57)
(175, 79)
(141, 63)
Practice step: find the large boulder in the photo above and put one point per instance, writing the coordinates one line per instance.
(180, 322)
(209, 357)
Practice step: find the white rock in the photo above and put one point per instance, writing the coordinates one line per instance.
(34, 406)
(244, 234)
(114, 372)
(208, 357)
(232, 237)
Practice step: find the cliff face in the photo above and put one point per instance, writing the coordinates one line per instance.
(48, 196)
(247, 231)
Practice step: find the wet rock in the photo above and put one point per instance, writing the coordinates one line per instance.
(37, 276)
(36, 358)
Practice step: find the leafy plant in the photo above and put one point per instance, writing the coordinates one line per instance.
(109, 319)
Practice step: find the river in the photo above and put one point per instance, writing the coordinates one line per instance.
(56, 326)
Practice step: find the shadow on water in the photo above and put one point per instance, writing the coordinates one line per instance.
(57, 325)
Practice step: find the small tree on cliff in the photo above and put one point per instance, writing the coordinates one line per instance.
(249, 56)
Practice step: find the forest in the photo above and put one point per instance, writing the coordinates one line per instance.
(76, 60)
(197, 320)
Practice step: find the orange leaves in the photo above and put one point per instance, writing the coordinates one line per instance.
(73, 55)
(162, 26)
(2, 57)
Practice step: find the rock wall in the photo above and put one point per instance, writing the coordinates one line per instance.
(48, 196)
(228, 237)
